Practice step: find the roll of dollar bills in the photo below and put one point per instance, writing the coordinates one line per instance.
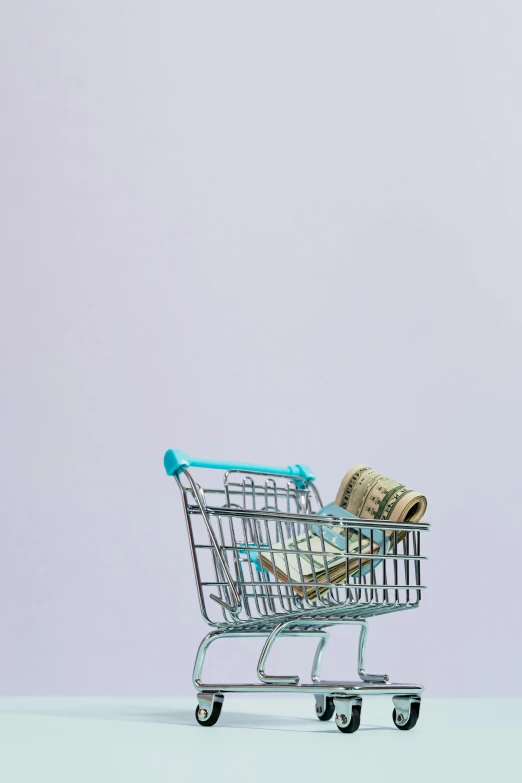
(370, 495)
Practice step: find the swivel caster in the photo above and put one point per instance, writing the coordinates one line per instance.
(324, 707)
(406, 712)
(209, 708)
(348, 715)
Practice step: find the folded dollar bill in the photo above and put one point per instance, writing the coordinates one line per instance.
(320, 555)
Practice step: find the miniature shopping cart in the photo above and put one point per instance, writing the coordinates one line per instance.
(260, 516)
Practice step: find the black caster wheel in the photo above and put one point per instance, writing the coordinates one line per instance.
(349, 728)
(328, 710)
(412, 720)
(204, 719)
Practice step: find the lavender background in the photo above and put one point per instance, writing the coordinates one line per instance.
(277, 232)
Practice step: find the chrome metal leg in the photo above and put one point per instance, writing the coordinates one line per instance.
(273, 679)
(280, 629)
(266, 679)
(362, 649)
(323, 641)
(200, 657)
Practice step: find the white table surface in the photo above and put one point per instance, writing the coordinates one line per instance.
(258, 738)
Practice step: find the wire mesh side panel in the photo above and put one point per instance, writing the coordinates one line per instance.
(282, 567)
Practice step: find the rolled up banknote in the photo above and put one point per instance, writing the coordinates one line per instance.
(370, 495)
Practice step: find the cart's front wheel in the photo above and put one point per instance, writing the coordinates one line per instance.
(209, 718)
(412, 720)
(329, 709)
(342, 721)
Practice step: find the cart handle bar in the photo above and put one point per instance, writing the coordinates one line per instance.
(177, 461)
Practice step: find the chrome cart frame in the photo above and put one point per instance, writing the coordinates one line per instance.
(236, 533)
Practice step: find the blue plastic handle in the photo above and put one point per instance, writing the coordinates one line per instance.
(176, 461)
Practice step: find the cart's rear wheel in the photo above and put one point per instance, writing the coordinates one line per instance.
(329, 709)
(206, 719)
(412, 720)
(342, 721)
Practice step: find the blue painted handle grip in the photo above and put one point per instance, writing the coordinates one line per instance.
(176, 461)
